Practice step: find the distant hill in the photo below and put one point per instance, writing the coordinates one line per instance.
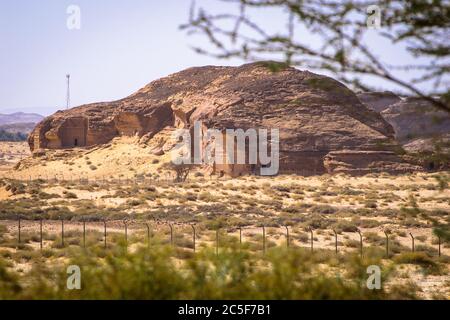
(20, 117)
(17, 126)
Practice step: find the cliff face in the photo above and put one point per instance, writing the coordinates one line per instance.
(414, 118)
(415, 121)
(421, 129)
(378, 101)
(315, 114)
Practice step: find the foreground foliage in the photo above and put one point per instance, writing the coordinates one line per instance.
(232, 274)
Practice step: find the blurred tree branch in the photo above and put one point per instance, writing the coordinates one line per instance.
(420, 27)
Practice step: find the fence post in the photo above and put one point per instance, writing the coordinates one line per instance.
(84, 234)
(125, 223)
(62, 232)
(240, 236)
(412, 242)
(19, 229)
(312, 239)
(40, 232)
(171, 233)
(287, 236)
(264, 239)
(360, 242)
(387, 244)
(439, 246)
(193, 235)
(335, 240)
(148, 234)
(104, 232)
(217, 241)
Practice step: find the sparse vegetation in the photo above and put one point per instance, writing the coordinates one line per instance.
(247, 202)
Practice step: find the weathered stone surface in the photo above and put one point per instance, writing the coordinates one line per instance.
(361, 162)
(414, 118)
(315, 114)
(411, 118)
(378, 101)
(421, 129)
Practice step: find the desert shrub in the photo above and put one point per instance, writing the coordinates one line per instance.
(351, 192)
(15, 188)
(134, 202)
(69, 195)
(296, 208)
(351, 243)
(149, 195)
(375, 239)
(191, 197)
(418, 258)
(206, 197)
(153, 274)
(45, 196)
(366, 223)
(344, 226)
(370, 204)
(323, 209)
(317, 222)
(303, 237)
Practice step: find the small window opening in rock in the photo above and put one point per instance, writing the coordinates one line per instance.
(431, 166)
(75, 143)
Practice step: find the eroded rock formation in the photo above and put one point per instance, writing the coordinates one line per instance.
(421, 129)
(316, 115)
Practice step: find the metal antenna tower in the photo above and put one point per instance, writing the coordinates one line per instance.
(68, 91)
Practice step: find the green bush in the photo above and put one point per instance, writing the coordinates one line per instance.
(418, 258)
(153, 274)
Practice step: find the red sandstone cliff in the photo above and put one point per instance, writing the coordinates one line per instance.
(323, 125)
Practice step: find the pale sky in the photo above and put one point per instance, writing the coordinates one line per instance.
(121, 46)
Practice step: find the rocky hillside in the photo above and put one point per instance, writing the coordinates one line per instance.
(415, 118)
(323, 125)
(378, 101)
(421, 129)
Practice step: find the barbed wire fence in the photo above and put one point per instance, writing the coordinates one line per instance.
(151, 228)
(138, 178)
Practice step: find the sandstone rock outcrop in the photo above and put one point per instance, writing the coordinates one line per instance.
(378, 101)
(411, 118)
(414, 118)
(421, 129)
(316, 115)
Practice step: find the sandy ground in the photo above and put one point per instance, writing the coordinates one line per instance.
(10, 154)
(124, 159)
